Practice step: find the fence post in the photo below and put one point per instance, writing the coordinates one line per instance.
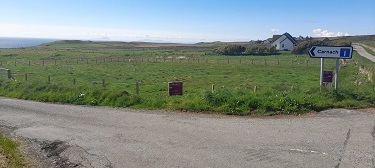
(213, 88)
(103, 82)
(9, 74)
(255, 88)
(49, 79)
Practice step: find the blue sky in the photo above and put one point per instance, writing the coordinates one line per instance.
(185, 21)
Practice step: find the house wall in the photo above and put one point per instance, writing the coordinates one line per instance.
(288, 45)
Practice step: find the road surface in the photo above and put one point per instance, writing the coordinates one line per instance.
(361, 51)
(108, 137)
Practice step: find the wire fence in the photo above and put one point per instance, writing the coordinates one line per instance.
(250, 61)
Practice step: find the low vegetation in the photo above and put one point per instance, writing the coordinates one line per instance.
(106, 74)
(303, 47)
(10, 156)
(236, 49)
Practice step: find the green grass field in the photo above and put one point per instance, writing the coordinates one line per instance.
(285, 83)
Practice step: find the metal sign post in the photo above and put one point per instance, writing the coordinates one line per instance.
(337, 73)
(321, 72)
(330, 52)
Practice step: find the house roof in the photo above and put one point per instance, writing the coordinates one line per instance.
(294, 41)
(287, 35)
(326, 39)
(275, 37)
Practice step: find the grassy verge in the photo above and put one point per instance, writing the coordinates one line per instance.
(369, 50)
(12, 157)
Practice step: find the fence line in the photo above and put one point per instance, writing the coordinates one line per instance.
(251, 61)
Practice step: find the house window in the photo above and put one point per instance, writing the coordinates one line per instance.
(282, 45)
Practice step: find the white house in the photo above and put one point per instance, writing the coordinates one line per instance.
(284, 42)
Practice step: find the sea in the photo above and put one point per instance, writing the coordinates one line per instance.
(17, 42)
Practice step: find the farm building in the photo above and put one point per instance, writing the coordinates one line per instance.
(284, 42)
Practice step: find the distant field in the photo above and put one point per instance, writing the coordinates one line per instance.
(74, 72)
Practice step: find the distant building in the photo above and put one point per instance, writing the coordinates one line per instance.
(300, 38)
(284, 42)
(267, 42)
(326, 40)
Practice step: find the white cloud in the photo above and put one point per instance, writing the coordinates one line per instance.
(274, 30)
(326, 33)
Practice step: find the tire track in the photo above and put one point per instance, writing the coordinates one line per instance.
(344, 149)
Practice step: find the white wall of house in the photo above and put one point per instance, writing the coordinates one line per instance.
(283, 43)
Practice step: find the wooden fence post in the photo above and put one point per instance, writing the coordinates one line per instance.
(213, 88)
(255, 88)
(9, 74)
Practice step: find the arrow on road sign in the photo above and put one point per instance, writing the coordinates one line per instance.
(311, 51)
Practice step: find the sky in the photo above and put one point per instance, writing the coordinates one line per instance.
(184, 21)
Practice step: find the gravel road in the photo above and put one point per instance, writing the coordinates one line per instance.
(361, 51)
(106, 137)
